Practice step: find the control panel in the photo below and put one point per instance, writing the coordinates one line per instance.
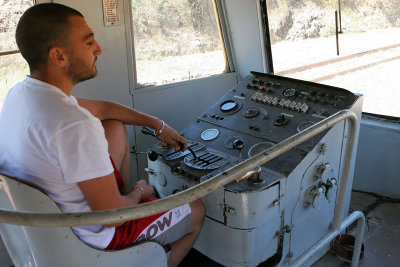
(283, 200)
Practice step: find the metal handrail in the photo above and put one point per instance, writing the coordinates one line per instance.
(200, 190)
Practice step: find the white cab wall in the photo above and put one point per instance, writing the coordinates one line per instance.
(377, 168)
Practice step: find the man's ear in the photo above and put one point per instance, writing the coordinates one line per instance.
(57, 56)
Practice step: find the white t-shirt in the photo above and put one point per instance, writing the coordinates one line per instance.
(46, 138)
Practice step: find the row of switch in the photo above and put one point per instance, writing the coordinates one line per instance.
(284, 103)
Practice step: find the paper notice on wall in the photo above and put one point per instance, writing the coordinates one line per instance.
(111, 13)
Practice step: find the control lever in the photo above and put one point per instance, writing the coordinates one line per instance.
(238, 144)
(153, 155)
(190, 149)
(148, 131)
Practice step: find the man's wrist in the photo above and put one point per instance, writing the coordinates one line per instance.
(140, 188)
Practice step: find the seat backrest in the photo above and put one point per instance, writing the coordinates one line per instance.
(59, 246)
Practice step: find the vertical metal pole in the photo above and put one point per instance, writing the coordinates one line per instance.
(265, 35)
(340, 16)
(337, 32)
(345, 175)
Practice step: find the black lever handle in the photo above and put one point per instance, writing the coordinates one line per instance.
(191, 150)
(148, 131)
(238, 144)
(180, 146)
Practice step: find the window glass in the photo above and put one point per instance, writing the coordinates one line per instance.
(364, 58)
(13, 67)
(176, 40)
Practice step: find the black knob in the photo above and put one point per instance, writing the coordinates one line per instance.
(281, 118)
(152, 155)
(238, 144)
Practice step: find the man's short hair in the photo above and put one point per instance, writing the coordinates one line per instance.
(41, 27)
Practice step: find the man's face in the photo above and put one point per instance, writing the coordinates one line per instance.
(82, 51)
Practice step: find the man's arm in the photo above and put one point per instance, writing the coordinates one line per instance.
(102, 193)
(105, 110)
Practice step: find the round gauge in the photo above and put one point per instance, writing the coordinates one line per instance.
(304, 125)
(289, 92)
(209, 134)
(257, 148)
(251, 112)
(228, 105)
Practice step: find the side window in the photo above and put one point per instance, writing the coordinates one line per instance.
(351, 44)
(13, 67)
(176, 40)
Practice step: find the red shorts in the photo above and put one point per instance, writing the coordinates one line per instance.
(163, 228)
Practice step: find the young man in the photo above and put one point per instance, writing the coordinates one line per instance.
(77, 149)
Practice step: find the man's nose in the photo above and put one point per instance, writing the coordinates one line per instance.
(98, 49)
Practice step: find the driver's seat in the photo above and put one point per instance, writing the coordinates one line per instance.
(59, 246)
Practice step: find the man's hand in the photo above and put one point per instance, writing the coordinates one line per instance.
(141, 187)
(171, 137)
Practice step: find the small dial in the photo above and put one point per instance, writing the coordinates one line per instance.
(251, 112)
(289, 92)
(281, 120)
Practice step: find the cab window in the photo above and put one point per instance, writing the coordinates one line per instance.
(350, 44)
(176, 40)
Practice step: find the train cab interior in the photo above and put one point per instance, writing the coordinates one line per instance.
(304, 90)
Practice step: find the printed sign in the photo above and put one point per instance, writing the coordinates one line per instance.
(111, 13)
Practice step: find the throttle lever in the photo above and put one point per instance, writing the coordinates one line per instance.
(148, 131)
(191, 150)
